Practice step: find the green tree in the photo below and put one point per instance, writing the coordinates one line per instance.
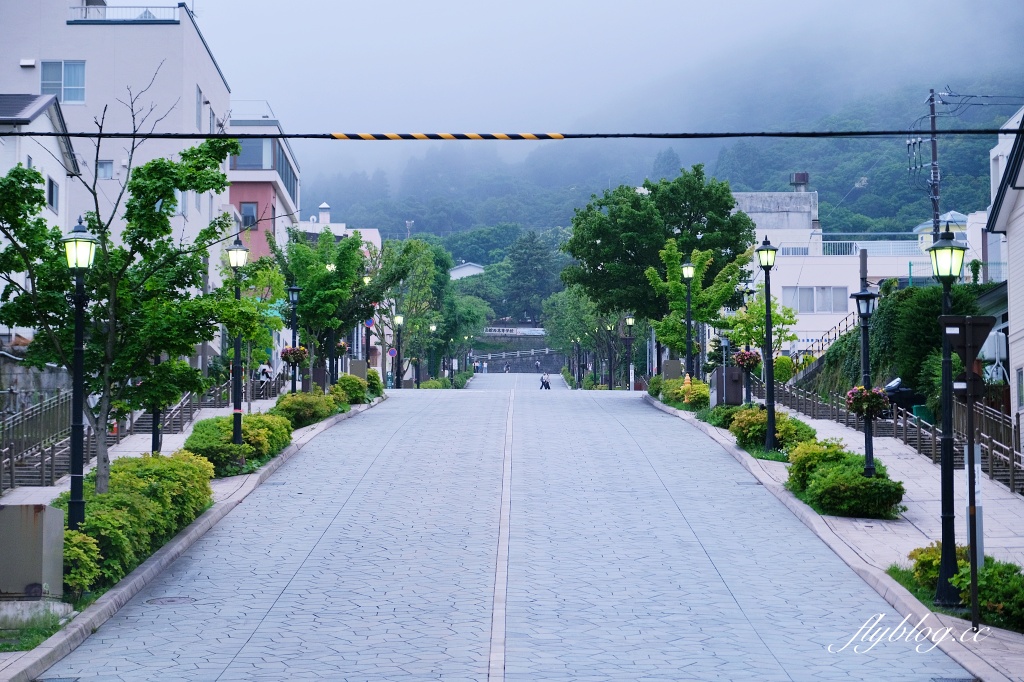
(570, 317)
(747, 325)
(666, 164)
(141, 288)
(706, 303)
(531, 279)
(618, 236)
(328, 271)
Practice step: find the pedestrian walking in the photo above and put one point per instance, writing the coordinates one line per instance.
(508, 368)
(544, 381)
(537, 365)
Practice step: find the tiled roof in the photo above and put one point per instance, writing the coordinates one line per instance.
(22, 109)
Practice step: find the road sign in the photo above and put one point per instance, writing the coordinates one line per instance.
(368, 323)
(392, 352)
(967, 334)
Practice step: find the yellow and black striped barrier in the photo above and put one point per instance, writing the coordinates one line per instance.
(448, 136)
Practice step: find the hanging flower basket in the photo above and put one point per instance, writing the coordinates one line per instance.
(865, 401)
(295, 356)
(747, 359)
(342, 347)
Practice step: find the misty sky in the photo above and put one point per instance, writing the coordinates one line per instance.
(573, 65)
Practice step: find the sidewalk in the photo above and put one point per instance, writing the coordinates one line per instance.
(870, 546)
(23, 666)
(133, 446)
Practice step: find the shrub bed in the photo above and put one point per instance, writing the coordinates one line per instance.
(750, 426)
(832, 481)
(1000, 584)
(655, 385)
(351, 389)
(721, 415)
(692, 396)
(150, 499)
(263, 436)
(569, 379)
(303, 409)
(373, 383)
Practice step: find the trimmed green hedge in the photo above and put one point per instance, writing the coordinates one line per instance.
(750, 426)
(303, 409)
(832, 481)
(373, 383)
(351, 389)
(150, 499)
(263, 436)
(654, 386)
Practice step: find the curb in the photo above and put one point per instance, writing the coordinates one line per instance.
(891, 591)
(41, 658)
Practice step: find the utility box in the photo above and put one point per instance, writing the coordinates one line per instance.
(357, 368)
(32, 561)
(726, 384)
(672, 369)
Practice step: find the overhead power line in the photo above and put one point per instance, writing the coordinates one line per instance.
(511, 136)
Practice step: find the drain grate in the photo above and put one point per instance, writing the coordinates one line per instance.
(273, 483)
(748, 482)
(165, 601)
(57, 679)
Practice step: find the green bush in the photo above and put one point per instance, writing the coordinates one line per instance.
(434, 383)
(589, 382)
(81, 562)
(373, 383)
(750, 426)
(695, 396)
(783, 368)
(842, 490)
(211, 438)
(926, 563)
(654, 386)
(351, 389)
(1000, 592)
(303, 409)
(808, 456)
(263, 436)
(570, 381)
(147, 503)
(721, 415)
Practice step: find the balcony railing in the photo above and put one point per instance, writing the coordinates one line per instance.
(137, 13)
(908, 249)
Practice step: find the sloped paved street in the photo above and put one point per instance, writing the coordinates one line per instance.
(629, 547)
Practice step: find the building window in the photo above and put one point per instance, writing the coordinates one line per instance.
(816, 299)
(28, 163)
(249, 210)
(199, 108)
(66, 80)
(104, 170)
(198, 199)
(1020, 388)
(52, 194)
(182, 200)
(213, 121)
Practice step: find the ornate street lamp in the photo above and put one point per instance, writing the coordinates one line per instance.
(629, 350)
(80, 250)
(332, 351)
(430, 361)
(865, 309)
(399, 321)
(238, 255)
(293, 299)
(766, 259)
(688, 270)
(947, 265)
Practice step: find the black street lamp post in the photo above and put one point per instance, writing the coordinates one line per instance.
(611, 372)
(399, 321)
(430, 361)
(688, 270)
(369, 325)
(947, 258)
(865, 308)
(293, 299)
(747, 294)
(629, 351)
(766, 259)
(237, 257)
(79, 249)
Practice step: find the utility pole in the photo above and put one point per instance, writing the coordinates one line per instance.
(933, 180)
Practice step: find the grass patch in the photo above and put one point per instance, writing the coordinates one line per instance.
(686, 407)
(905, 577)
(771, 455)
(34, 633)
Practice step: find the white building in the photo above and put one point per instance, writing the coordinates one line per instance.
(53, 157)
(465, 269)
(1006, 218)
(815, 273)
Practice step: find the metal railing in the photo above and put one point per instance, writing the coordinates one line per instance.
(32, 431)
(818, 348)
(505, 355)
(137, 13)
(997, 435)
